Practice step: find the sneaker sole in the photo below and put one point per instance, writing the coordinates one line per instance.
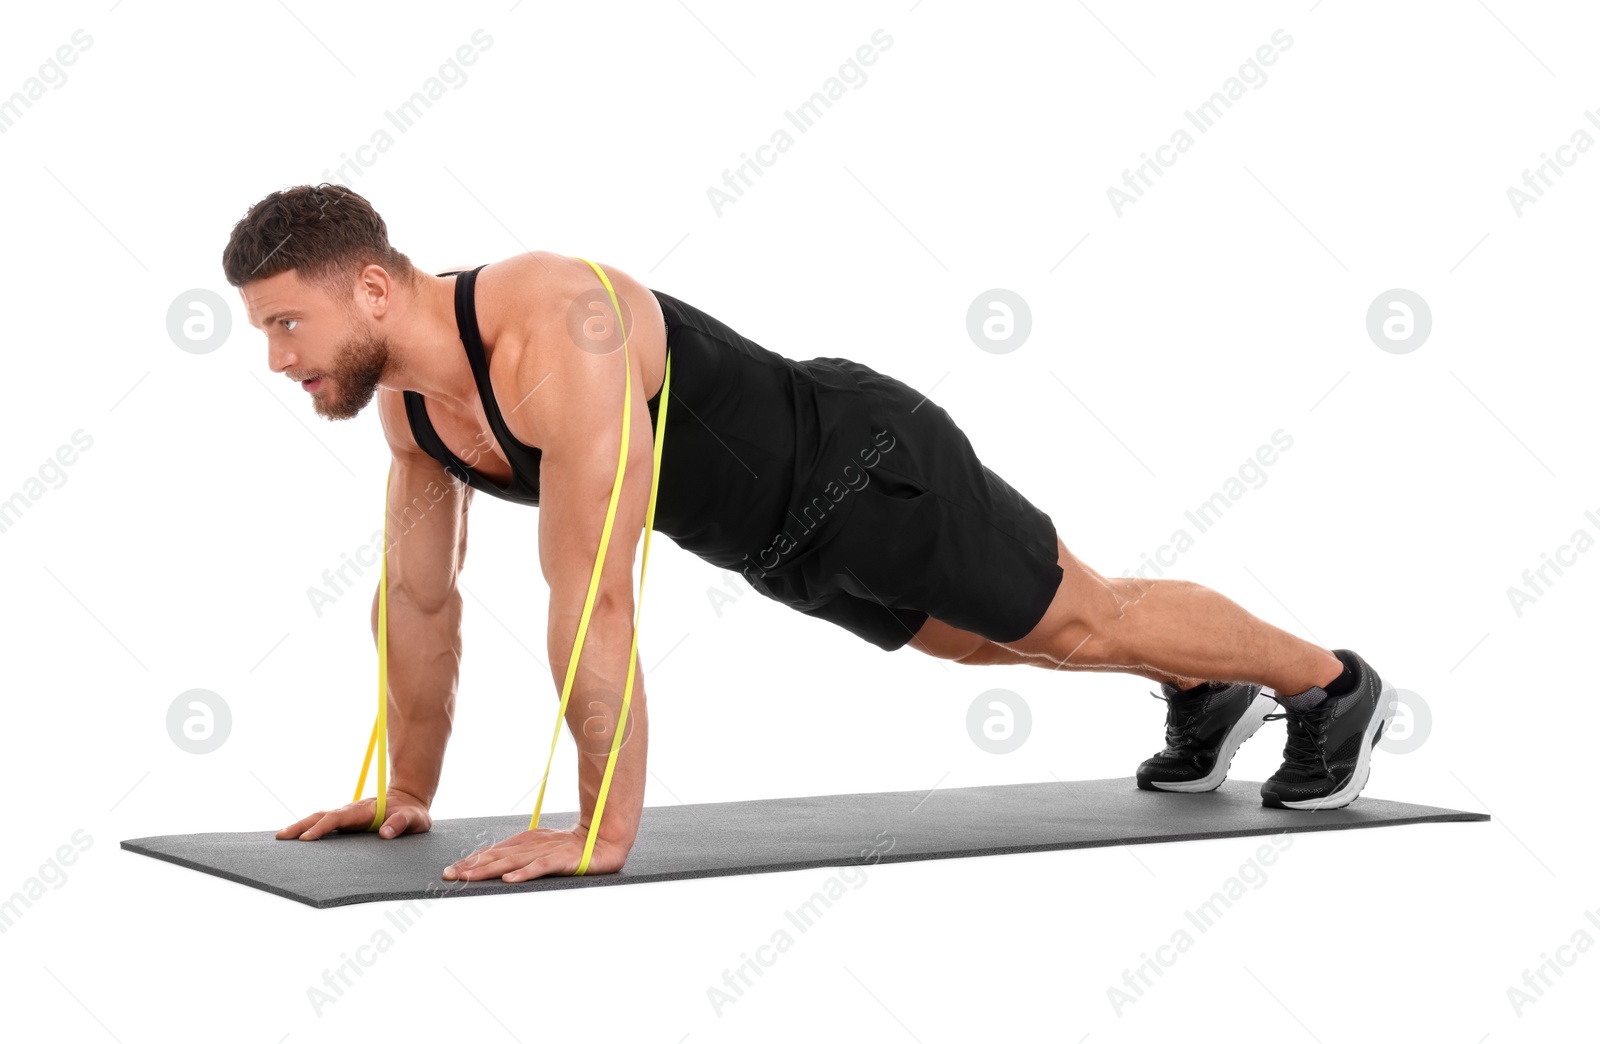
(1358, 779)
(1242, 730)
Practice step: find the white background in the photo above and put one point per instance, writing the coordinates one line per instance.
(1228, 302)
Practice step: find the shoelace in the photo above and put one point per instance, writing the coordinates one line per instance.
(1182, 721)
(1303, 749)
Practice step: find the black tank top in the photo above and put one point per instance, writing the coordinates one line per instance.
(754, 439)
(523, 458)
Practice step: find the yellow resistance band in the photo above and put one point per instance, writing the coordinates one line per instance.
(380, 729)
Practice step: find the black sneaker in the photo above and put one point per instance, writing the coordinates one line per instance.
(1328, 755)
(1204, 727)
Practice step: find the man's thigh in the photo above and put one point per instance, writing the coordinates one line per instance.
(937, 532)
(870, 620)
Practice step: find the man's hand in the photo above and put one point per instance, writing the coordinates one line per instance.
(404, 814)
(536, 853)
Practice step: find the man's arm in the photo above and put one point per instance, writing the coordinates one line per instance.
(427, 514)
(427, 528)
(583, 421)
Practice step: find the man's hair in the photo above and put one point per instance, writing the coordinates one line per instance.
(327, 233)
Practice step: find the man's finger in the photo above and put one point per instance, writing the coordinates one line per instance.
(529, 858)
(295, 829)
(396, 824)
(473, 866)
(324, 823)
(476, 858)
(486, 852)
(486, 869)
(554, 862)
(348, 816)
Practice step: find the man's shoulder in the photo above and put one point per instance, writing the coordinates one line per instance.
(559, 323)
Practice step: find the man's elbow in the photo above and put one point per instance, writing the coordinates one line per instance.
(615, 602)
(444, 605)
(610, 621)
(610, 601)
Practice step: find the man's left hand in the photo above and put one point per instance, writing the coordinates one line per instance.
(536, 853)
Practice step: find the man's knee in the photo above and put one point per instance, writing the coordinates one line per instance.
(1087, 618)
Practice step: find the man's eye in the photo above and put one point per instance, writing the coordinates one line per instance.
(289, 320)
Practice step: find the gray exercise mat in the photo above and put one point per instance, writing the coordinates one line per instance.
(753, 837)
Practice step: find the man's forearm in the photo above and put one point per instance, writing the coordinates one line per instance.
(424, 666)
(592, 714)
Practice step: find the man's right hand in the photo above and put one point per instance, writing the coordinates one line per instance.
(404, 814)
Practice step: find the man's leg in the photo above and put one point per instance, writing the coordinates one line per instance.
(937, 638)
(1174, 631)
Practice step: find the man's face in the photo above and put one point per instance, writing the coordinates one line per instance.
(326, 345)
(343, 389)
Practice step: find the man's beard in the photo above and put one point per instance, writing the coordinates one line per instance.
(351, 384)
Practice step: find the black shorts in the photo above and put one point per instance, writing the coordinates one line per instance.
(933, 532)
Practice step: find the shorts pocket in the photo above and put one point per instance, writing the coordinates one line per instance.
(888, 482)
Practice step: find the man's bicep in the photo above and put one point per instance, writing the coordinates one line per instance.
(427, 528)
(576, 478)
(574, 503)
(426, 516)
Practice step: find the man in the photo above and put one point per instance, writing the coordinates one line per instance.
(831, 487)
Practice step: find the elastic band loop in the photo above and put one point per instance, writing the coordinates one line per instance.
(633, 649)
(594, 582)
